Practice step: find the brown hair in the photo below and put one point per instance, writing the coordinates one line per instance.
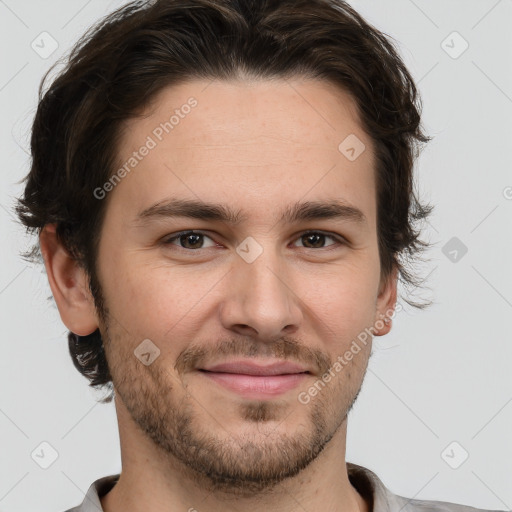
(119, 66)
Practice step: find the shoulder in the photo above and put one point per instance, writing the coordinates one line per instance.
(371, 487)
(97, 489)
(413, 505)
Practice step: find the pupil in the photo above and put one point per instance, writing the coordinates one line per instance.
(314, 236)
(188, 237)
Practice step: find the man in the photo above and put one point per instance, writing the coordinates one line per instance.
(222, 192)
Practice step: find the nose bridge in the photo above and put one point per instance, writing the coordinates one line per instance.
(260, 295)
(265, 274)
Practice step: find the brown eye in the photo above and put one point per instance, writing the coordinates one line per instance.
(316, 240)
(188, 240)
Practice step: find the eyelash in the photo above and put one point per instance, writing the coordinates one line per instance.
(169, 240)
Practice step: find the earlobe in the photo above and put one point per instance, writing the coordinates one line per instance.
(68, 282)
(386, 302)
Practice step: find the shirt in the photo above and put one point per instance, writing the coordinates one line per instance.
(367, 483)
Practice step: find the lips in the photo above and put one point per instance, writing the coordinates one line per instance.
(256, 381)
(252, 368)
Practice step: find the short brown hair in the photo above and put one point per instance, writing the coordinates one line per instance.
(132, 54)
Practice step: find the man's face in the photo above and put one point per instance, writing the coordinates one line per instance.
(260, 289)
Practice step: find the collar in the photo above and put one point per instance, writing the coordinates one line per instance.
(365, 481)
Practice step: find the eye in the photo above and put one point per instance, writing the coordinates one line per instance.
(189, 239)
(317, 238)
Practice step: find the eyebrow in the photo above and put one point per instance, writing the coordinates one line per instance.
(300, 211)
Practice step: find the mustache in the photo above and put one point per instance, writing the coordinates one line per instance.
(284, 348)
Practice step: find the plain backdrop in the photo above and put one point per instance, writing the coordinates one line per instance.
(438, 388)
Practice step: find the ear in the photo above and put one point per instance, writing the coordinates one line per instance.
(386, 302)
(69, 284)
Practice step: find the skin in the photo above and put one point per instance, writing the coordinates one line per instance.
(256, 146)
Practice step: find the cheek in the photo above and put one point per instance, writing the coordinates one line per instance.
(343, 304)
(167, 301)
(161, 302)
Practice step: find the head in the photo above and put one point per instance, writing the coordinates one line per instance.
(296, 125)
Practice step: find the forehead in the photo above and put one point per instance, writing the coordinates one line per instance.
(300, 111)
(247, 141)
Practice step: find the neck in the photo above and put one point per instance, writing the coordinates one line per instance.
(157, 482)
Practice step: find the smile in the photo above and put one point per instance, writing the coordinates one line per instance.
(256, 386)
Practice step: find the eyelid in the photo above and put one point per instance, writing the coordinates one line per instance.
(339, 241)
(169, 239)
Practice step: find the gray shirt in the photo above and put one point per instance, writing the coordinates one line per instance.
(367, 483)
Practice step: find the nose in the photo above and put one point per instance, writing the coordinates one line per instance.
(261, 301)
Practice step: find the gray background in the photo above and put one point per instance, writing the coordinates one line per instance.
(441, 375)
